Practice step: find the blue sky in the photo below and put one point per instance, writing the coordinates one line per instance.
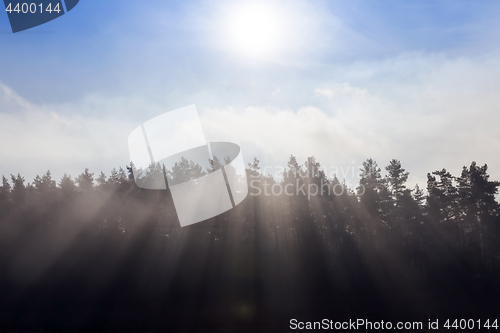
(341, 80)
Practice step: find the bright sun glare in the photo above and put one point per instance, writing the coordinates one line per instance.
(254, 30)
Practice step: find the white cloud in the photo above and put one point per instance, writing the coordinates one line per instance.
(37, 138)
(9, 100)
(429, 111)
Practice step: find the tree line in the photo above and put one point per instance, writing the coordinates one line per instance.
(98, 252)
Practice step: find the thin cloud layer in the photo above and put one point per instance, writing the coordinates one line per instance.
(429, 111)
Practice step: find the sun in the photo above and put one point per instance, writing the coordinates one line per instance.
(254, 29)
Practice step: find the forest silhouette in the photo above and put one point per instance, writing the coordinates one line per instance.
(98, 252)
